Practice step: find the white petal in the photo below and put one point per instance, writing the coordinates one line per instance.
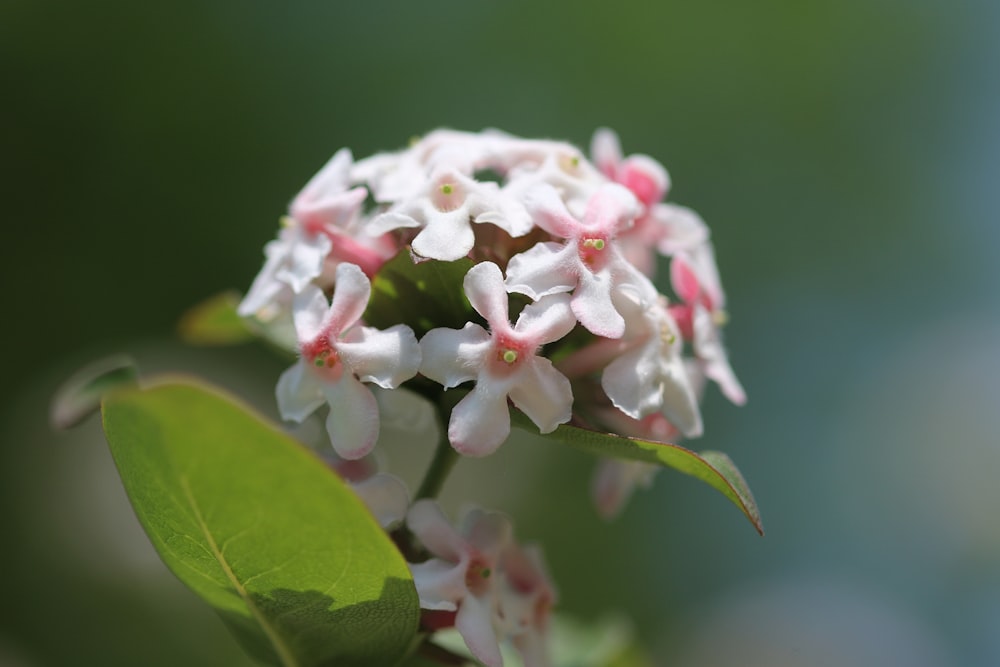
(266, 288)
(680, 405)
(332, 177)
(353, 420)
(303, 261)
(485, 289)
(299, 392)
(545, 268)
(606, 151)
(310, 311)
(632, 381)
(681, 228)
(433, 529)
(593, 307)
(385, 496)
(489, 532)
(548, 319)
(446, 236)
(389, 221)
(454, 356)
(550, 213)
(709, 348)
(440, 585)
(481, 421)
(387, 358)
(543, 393)
(475, 623)
(350, 297)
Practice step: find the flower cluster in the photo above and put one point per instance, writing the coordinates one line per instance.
(563, 321)
(578, 239)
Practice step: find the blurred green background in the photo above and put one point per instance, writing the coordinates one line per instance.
(846, 155)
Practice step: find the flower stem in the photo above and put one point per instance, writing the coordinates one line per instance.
(444, 460)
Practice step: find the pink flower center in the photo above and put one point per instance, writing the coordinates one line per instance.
(477, 575)
(447, 195)
(591, 248)
(322, 356)
(508, 352)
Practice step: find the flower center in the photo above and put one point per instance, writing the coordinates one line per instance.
(447, 195)
(591, 250)
(477, 576)
(321, 355)
(507, 353)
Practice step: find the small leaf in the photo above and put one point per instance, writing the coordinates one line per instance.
(261, 529)
(714, 468)
(215, 321)
(80, 396)
(423, 295)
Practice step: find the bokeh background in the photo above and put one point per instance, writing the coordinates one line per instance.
(846, 155)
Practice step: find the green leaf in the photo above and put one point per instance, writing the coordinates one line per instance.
(422, 295)
(261, 529)
(80, 396)
(714, 468)
(215, 321)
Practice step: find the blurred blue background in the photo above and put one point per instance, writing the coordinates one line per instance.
(846, 155)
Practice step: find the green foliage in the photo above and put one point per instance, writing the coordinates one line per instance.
(714, 468)
(261, 529)
(422, 295)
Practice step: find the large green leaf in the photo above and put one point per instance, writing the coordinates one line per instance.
(714, 468)
(261, 529)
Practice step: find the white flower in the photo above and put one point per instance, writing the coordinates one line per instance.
(463, 575)
(649, 375)
(503, 362)
(444, 209)
(588, 263)
(321, 229)
(336, 357)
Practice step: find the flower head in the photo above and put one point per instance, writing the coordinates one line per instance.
(504, 362)
(336, 357)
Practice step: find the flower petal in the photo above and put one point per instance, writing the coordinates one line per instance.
(709, 348)
(593, 307)
(310, 312)
(606, 151)
(543, 269)
(430, 525)
(484, 287)
(440, 585)
(454, 356)
(350, 297)
(303, 261)
(388, 358)
(353, 420)
(474, 622)
(481, 421)
(447, 236)
(543, 394)
(548, 319)
(299, 392)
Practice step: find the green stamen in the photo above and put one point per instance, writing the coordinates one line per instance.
(447, 189)
(509, 356)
